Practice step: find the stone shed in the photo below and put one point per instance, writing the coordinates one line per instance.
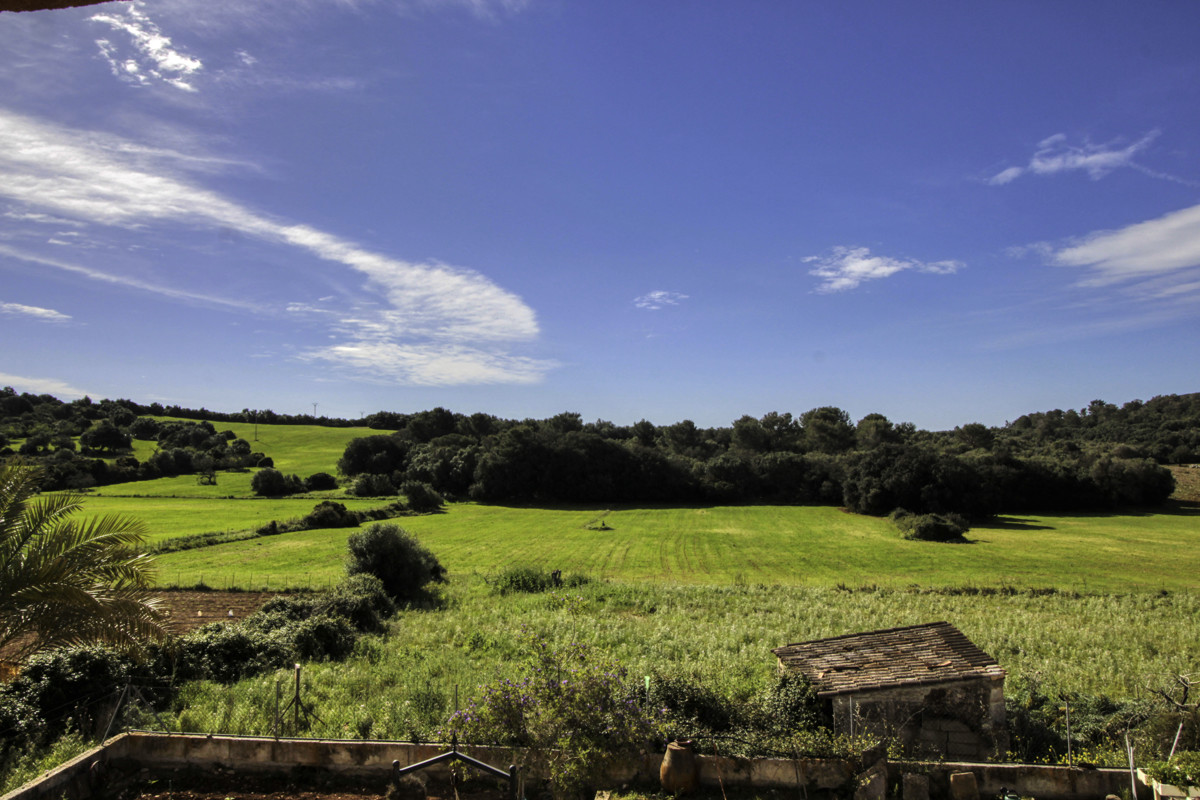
(926, 685)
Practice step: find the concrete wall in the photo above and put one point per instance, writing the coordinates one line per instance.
(128, 753)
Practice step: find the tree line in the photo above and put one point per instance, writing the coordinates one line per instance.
(1098, 457)
(819, 457)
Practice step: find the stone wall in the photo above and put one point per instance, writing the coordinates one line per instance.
(959, 720)
(128, 754)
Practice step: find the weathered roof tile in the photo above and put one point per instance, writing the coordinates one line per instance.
(935, 652)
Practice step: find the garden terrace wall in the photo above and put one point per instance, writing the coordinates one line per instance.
(136, 756)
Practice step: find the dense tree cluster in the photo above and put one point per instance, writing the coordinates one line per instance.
(43, 430)
(821, 456)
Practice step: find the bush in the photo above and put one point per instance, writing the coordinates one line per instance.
(226, 653)
(361, 600)
(373, 486)
(399, 561)
(328, 514)
(930, 527)
(273, 483)
(572, 709)
(691, 705)
(321, 637)
(320, 482)
(60, 688)
(789, 705)
(522, 578)
(421, 496)
(1182, 769)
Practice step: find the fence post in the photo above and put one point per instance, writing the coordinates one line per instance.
(116, 711)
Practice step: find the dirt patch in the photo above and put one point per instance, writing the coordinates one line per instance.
(189, 609)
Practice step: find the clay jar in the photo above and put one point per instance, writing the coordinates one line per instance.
(679, 772)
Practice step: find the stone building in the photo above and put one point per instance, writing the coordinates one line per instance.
(927, 686)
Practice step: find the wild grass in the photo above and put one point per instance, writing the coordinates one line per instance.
(403, 685)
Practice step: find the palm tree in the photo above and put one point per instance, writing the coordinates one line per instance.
(65, 580)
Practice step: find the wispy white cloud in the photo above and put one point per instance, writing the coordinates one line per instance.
(1055, 154)
(653, 301)
(112, 182)
(60, 389)
(145, 55)
(847, 268)
(128, 282)
(43, 314)
(430, 364)
(1169, 245)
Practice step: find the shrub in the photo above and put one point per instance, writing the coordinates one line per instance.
(226, 653)
(524, 578)
(573, 709)
(328, 514)
(399, 561)
(930, 527)
(60, 688)
(373, 486)
(321, 637)
(273, 483)
(691, 704)
(790, 704)
(1182, 769)
(361, 600)
(421, 496)
(320, 482)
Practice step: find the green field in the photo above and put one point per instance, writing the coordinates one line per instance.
(1094, 604)
(726, 545)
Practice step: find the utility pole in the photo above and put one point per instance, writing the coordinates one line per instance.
(314, 410)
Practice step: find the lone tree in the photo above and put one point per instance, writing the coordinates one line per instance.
(391, 554)
(65, 580)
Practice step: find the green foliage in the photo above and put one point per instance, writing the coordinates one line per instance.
(530, 580)
(226, 652)
(403, 565)
(691, 704)
(273, 483)
(1182, 769)
(322, 637)
(421, 496)
(571, 707)
(320, 482)
(930, 527)
(66, 580)
(31, 761)
(373, 486)
(58, 691)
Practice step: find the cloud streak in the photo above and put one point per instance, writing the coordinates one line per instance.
(41, 385)
(1055, 155)
(43, 314)
(658, 299)
(847, 268)
(1155, 249)
(430, 307)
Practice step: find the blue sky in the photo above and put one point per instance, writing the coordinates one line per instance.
(941, 212)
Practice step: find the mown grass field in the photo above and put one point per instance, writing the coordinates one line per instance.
(727, 545)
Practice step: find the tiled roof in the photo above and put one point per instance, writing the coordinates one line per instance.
(918, 654)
